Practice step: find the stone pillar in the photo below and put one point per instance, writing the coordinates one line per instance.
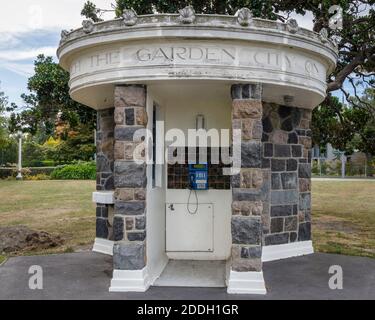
(104, 175)
(250, 193)
(129, 252)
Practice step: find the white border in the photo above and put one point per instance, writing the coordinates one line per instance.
(103, 197)
(246, 283)
(283, 251)
(103, 246)
(130, 281)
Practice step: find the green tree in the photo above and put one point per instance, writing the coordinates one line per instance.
(90, 11)
(49, 95)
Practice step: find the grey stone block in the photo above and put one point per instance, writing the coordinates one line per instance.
(129, 117)
(305, 201)
(246, 195)
(293, 138)
(102, 163)
(284, 197)
(289, 180)
(128, 133)
(291, 223)
(140, 223)
(251, 154)
(136, 236)
(293, 237)
(267, 125)
(118, 228)
(131, 208)
(304, 170)
(304, 231)
(130, 175)
(281, 211)
(275, 181)
(129, 256)
(275, 239)
(287, 125)
(246, 230)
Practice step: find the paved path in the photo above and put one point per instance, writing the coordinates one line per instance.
(87, 276)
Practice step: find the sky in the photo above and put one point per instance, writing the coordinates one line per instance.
(32, 27)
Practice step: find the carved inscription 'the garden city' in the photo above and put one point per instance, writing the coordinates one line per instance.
(246, 58)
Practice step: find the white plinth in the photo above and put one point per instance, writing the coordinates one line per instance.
(246, 283)
(103, 197)
(289, 250)
(103, 246)
(130, 281)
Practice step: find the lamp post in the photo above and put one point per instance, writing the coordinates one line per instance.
(19, 169)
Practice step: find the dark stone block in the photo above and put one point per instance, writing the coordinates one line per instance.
(129, 256)
(295, 209)
(281, 211)
(246, 91)
(274, 239)
(265, 137)
(132, 208)
(267, 125)
(278, 165)
(251, 154)
(99, 211)
(268, 150)
(287, 125)
(289, 180)
(275, 181)
(130, 175)
(246, 230)
(291, 165)
(140, 223)
(266, 163)
(282, 151)
(128, 133)
(284, 111)
(251, 252)
(301, 132)
(293, 138)
(252, 91)
(236, 91)
(109, 184)
(136, 236)
(118, 228)
(284, 197)
(293, 237)
(101, 228)
(129, 117)
(277, 225)
(304, 231)
(304, 170)
(296, 151)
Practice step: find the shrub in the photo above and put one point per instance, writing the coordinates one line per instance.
(78, 171)
(38, 177)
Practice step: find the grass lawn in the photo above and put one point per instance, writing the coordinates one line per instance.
(343, 213)
(58, 207)
(344, 217)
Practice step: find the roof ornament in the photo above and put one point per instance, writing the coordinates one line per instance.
(323, 35)
(88, 26)
(130, 17)
(64, 35)
(292, 26)
(187, 15)
(245, 17)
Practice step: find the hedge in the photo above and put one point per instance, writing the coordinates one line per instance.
(78, 171)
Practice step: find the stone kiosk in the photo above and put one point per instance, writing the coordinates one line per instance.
(260, 79)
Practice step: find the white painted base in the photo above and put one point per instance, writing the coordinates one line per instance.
(246, 283)
(103, 197)
(130, 281)
(283, 251)
(103, 246)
